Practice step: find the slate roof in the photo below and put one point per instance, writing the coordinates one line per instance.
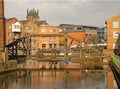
(42, 22)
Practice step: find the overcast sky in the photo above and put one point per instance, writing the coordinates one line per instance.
(80, 12)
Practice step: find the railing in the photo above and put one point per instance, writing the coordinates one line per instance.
(116, 60)
(115, 66)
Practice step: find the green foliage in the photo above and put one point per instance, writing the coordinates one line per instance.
(94, 39)
(61, 43)
(39, 53)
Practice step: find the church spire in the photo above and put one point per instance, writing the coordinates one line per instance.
(32, 15)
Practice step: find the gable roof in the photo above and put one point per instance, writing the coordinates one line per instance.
(12, 20)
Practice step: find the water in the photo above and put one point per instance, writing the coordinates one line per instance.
(73, 79)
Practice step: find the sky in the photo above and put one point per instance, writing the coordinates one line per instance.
(78, 12)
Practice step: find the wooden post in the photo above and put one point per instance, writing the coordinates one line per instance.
(65, 47)
(28, 47)
(5, 55)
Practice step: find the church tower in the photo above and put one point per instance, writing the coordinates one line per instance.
(32, 15)
(2, 28)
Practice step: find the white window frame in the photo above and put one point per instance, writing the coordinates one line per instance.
(29, 28)
(115, 24)
(115, 46)
(115, 35)
(16, 27)
(50, 30)
(43, 30)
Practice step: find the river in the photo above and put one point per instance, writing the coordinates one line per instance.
(54, 79)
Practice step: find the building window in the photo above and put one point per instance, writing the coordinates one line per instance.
(15, 36)
(115, 35)
(54, 30)
(9, 34)
(55, 45)
(34, 42)
(115, 46)
(50, 30)
(115, 24)
(79, 28)
(43, 37)
(50, 37)
(50, 46)
(29, 28)
(43, 46)
(16, 26)
(55, 37)
(43, 30)
(9, 41)
(9, 27)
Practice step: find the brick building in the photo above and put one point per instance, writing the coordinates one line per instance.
(102, 34)
(78, 35)
(79, 32)
(50, 41)
(30, 28)
(113, 31)
(14, 29)
(34, 26)
(42, 27)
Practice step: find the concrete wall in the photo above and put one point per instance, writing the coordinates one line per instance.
(32, 64)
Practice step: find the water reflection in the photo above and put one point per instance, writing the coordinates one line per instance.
(111, 81)
(53, 79)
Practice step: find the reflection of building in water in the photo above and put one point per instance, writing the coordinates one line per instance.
(111, 82)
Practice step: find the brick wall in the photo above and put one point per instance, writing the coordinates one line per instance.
(49, 39)
(111, 30)
(9, 33)
(31, 28)
(1, 28)
(77, 35)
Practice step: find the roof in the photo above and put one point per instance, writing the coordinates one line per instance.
(9, 19)
(12, 20)
(42, 22)
(78, 25)
(24, 21)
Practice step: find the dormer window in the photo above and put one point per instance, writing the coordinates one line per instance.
(16, 27)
